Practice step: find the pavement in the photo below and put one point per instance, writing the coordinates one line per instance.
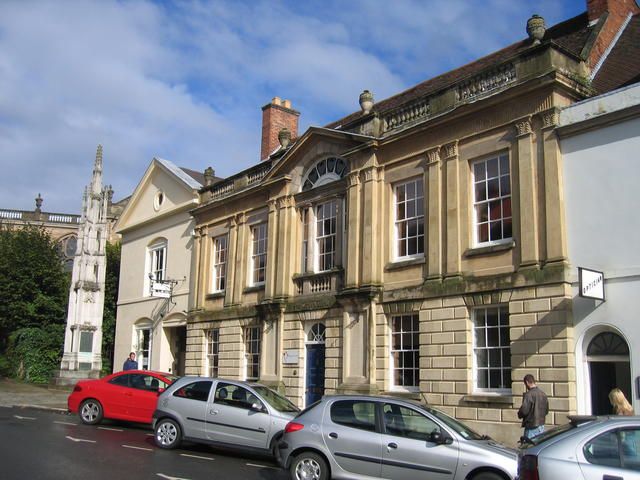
(14, 393)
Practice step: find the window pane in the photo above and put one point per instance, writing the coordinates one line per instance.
(355, 414)
(405, 356)
(603, 450)
(492, 351)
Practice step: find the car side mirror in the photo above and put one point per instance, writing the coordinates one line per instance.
(440, 438)
(256, 407)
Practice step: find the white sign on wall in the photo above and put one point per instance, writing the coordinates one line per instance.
(162, 290)
(290, 356)
(591, 283)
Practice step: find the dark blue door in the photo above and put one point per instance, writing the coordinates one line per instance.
(315, 373)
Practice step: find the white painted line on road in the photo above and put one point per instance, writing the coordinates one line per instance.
(65, 423)
(80, 439)
(262, 466)
(169, 477)
(138, 448)
(196, 456)
(111, 429)
(25, 418)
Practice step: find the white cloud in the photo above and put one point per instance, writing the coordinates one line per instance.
(186, 80)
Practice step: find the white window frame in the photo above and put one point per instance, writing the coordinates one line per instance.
(252, 338)
(331, 207)
(219, 263)
(144, 360)
(504, 350)
(503, 197)
(155, 252)
(259, 239)
(415, 348)
(418, 202)
(212, 352)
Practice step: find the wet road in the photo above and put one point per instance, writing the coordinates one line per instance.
(45, 445)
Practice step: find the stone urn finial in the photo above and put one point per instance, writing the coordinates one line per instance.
(284, 137)
(39, 201)
(209, 173)
(536, 28)
(366, 101)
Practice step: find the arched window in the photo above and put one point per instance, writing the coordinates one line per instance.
(325, 171)
(607, 343)
(316, 333)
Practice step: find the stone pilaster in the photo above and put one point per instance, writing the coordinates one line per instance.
(433, 224)
(272, 250)
(453, 251)
(352, 265)
(286, 212)
(232, 253)
(528, 202)
(240, 260)
(372, 238)
(556, 241)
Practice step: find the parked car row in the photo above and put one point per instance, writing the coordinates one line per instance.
(354, 437)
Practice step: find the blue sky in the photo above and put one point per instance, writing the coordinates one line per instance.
(186, 80)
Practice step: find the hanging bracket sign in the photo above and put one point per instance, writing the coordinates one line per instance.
(591, 283)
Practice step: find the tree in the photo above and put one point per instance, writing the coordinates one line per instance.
(34, 287)
(112, 280)
(34, 291)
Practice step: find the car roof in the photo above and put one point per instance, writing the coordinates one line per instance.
(380, 398)
(190, 378)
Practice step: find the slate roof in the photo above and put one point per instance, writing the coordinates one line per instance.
(571, 36)
(622, 65)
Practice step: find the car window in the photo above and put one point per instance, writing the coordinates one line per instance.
(121, 380)
(603, 450)
(276, 400)
(235, 396)
(195, 391)
(630, 440)
(146, 382)
(405, 422)
(355, 414)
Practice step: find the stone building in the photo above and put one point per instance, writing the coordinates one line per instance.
(416, 247)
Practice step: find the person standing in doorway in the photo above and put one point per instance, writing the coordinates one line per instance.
(130, 363)
(534, 409)
(619, 403)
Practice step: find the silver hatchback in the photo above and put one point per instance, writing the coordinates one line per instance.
(586, 448)
(222, 412)
(363, 437)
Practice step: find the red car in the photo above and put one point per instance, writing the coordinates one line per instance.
(130, 395)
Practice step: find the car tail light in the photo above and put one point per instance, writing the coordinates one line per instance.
(77, 388)
(293, 427)
(528, 468)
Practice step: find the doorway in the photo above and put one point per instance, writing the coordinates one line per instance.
(608, 360)
(315, 364)
(177, 337)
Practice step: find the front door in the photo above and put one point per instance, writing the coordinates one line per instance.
(315, 373)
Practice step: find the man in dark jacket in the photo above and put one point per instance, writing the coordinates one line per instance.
(130, 363)
(534, 409)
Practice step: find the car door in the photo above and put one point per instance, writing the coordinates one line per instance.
(237, 416)
(613, 455)
(189, 402)
(409, 449)
(350, 434)
(115, 397)
(142, 398)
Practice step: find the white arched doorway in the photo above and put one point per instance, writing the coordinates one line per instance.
(608, 366)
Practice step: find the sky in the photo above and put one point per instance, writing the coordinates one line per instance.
(186, 80)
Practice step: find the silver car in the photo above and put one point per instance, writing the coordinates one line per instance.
(221, 412)
(586, 448)
(363, 437)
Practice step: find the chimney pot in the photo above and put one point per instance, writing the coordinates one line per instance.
(276, 100)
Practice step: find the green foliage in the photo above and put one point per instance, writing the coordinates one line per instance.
(34, 353)
(112, 280)
(34, 287)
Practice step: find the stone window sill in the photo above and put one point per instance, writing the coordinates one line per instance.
(213, 296)
(404, 263)
(500, 247)
(253, 288)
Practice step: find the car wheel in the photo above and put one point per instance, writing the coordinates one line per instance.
(91, 412)
(488, 476)
(309, 466)
(168, 433)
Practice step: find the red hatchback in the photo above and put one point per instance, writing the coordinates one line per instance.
(131, 395)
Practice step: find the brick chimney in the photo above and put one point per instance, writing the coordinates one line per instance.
(617, 12)
(275, 116)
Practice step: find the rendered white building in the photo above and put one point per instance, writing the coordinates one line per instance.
(600, 142)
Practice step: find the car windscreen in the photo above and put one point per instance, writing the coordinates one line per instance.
(276, 400)
(171, 378)
(460, 428)
(547, 435)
